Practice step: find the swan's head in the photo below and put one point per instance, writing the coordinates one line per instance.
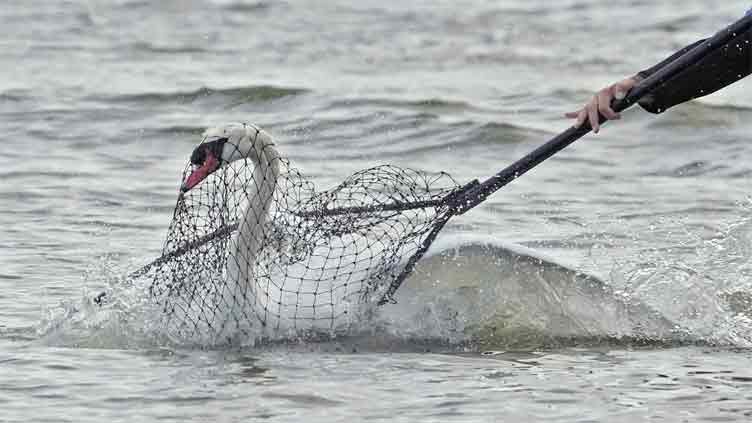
(220, 146)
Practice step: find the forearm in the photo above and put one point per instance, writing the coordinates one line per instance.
(720, 69)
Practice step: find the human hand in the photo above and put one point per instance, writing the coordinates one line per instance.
(601, 103)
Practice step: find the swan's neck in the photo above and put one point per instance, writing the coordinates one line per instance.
(260, 194)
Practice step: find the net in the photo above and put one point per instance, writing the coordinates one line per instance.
(254, 249)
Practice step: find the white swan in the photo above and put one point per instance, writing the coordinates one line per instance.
(223, 145)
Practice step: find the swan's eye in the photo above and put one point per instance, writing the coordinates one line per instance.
(213, 148)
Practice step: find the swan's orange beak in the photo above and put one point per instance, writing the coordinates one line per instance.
(200, 172)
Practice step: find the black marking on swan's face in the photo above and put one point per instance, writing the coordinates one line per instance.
(214, 147)
(206, 159)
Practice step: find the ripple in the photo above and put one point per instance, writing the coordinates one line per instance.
(303, 399)
(256, 6)
(673, 25)
(428, 104)
(10, 277)
(691, 169)
(22, 174)
(145, 46)
(500, 132)
(256, 93)
(14, 96)
(179, 130)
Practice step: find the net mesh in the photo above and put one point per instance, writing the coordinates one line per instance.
(255, 249)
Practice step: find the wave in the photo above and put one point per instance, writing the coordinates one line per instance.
(182, 130)
(673, 25)
(727, 106)
(237, 95)
(58, 175)
(465, 135)
(701, 113)
(249, 7)
(149, 47)
(422, 136)
(691, 169)
(498, 295)
(427, 104)
(13, 96)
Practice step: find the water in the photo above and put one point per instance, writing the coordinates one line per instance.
(102, 102)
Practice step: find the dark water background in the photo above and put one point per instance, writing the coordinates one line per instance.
(102, 102)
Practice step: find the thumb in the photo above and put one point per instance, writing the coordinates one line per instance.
(621, 88)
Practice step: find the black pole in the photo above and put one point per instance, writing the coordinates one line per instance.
(518, 168)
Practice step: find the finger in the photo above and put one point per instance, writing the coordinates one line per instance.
(580, 118)
(619, 94)
(604, 104)
(621, 88)
(627, 83)
(593, 115)
(572, 115)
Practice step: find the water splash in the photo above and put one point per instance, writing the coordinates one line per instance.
(702, 281)
(126, 320)
(481, 293)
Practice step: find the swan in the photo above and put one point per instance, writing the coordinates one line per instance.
(274, 282)
(222, 146)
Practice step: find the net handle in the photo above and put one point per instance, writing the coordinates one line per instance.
(559, 142)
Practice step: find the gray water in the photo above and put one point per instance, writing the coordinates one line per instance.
(101, 104)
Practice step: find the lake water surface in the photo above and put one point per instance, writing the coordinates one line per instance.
(102, 102)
